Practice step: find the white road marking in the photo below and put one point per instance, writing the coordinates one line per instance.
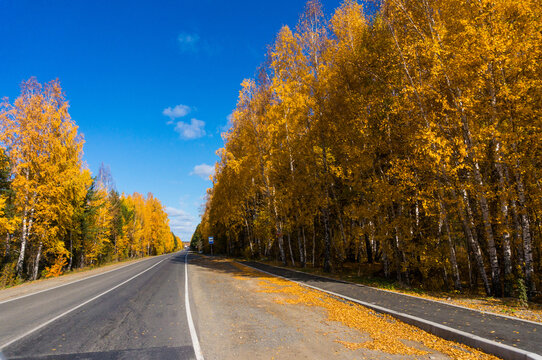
(74, 308)
(523, 353)
(418, 297)
(75, 281)
(191, 327)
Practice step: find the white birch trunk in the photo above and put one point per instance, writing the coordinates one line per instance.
(37, 262)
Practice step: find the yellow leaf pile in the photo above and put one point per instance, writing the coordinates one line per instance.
(388, 334)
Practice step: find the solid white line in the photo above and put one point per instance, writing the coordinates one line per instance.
(75, 308)
(75, 281)
(416, 297)
(527, 354)
(191, 327)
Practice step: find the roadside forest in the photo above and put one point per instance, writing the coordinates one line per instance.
(54, 216)
(410, 138)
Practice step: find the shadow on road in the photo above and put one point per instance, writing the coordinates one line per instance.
(225, 265)
(510, 331)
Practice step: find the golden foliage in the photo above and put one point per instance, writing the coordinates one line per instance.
(50, 207)
(410, 138)
(56, 269)
(388, 335)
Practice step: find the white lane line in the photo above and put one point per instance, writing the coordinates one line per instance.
(191, 327)
(480, 340)
(75, 281)
(75, 308)
(416, 297)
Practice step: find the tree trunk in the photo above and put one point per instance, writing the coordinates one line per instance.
(26, 231)
(507, 251)
(518, 233)
(249, 238)
(327, 243)
(280, 239)
(300, 246)
(8, 245)
(71, 253)
(291, 252)
(369, 249)
(471, 280)
(468, 222)
(526, 232)
(386, 265)
(20, 261)
(453, 259)
(37, 262)
(492, 249)
(304, 247)
(401, 258)
(341, 223)
(313, 243)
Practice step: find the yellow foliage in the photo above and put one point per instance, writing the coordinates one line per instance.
(56, 269)
(416, 131)
(387, 334)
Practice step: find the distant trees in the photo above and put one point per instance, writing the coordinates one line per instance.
(53, 214)
(196, 242)
(411, 139)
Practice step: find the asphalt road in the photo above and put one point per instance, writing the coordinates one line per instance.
(514, 332)
(135, 312)
(139, 311)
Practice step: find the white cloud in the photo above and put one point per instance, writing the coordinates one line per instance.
(176, 112)
(192, 43)
(203, 171)
(181, 222)
(188, 42)
(193, 130)
(228, 125)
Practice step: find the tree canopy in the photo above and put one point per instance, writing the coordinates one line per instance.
(53, 214)
(410, 138)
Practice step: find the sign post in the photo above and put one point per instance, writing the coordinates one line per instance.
(211, 242)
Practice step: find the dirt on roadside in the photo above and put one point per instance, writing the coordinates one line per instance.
(241, 313)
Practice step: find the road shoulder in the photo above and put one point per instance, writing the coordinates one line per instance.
(503, 336)
(242, 313)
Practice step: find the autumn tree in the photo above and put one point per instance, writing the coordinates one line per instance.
(50, 207)
(409, 138)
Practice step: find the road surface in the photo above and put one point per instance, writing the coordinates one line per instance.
(139, 311)
(520, 334)
(141, 315)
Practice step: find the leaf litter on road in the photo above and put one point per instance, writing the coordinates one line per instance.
(388, 334)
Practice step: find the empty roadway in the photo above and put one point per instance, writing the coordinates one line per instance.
(137, 311)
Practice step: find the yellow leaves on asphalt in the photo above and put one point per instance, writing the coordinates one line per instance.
(388, 334)
(350, 345)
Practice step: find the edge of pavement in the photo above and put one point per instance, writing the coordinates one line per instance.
(403, 294)
(76, 280)
(445, 332)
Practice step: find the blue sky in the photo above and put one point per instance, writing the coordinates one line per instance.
(150, 83)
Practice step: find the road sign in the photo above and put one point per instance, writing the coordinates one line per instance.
(211, 240)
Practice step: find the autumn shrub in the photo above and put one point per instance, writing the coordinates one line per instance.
(56, 269)
(8, 275)
(521, 290)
